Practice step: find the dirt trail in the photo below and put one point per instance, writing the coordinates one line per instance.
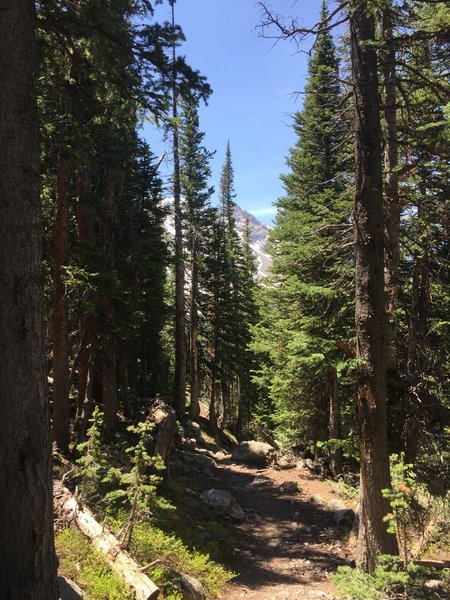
(289, 545)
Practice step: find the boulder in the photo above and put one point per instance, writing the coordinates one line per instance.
(68, 590)
(198, 460)
(190, 588)
(336, 504)
(317, 499)
(434, 584)
(223, 503)
(285, 462)
(344, 517)
(251, 452)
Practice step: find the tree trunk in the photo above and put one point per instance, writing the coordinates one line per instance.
(392, 204)
(85, 321)
(225, 385)
(108, 363)
(195, 405)
(334, 424)
(27, 565)
(370, 301)
(60, 395)
(180, 315)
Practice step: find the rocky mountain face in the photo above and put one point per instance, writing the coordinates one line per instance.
(259, 234)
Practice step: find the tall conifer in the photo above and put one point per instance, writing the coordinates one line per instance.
(308, 300)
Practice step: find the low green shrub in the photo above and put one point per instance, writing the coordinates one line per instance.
(80, 562)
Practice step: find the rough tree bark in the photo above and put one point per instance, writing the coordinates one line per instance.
(60, 395)
(27, 565)
(334, 420)
(370, 299)
(392, 204)
(194, 409)
(108, 366)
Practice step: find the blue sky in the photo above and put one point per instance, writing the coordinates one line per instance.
(254, 83)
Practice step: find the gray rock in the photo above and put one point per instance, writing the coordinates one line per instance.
(317, 499)
(260, 481)
(223, 503)
(344, 517)
(198, 460)
(251, 452)
(289, 487)
(68, 590)
(434, 584)
(284, 462)
(336, 504)
(190, 587)
(312, 466)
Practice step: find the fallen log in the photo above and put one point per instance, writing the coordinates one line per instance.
(432, 564)
(118, 559)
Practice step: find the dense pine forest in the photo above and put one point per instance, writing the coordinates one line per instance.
(146, 365)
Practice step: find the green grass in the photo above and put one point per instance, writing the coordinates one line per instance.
(80, 562)
(150, 543)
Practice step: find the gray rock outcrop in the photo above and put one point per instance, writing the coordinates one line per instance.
(223, 503)
(254, 453)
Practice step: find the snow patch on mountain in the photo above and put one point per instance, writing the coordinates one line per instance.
(259, 234)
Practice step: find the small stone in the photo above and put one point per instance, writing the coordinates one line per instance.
(317, 499)
(289, 487)
(336, 504)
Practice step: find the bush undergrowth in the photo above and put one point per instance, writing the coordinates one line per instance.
(156, 520)
(79, 561)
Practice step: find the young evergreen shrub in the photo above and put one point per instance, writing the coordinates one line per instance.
(389, 579)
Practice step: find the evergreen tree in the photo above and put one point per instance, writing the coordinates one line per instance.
(234, 309)
(308, 300)
(195, 172)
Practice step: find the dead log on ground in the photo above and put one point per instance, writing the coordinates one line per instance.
(119, 560)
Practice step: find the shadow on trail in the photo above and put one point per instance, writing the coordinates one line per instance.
(286, 539)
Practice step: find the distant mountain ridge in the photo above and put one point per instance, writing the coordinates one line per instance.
(259, 235)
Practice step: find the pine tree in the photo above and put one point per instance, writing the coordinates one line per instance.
(195, 172)
(234, 309)
(309, 297)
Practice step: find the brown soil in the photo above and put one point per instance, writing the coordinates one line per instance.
(289, 545)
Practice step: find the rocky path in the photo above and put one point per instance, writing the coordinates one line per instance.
(290, 543)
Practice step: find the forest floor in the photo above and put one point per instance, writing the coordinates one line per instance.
(289, 544)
